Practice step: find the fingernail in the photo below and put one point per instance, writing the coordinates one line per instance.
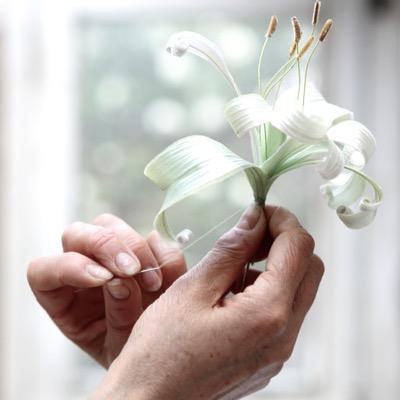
(152, 281)
(127, 264)
(118, 290)
(98, 272)
(250, 217)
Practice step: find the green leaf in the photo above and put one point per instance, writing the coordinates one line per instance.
(191, 165)
(274, 138)
(292, 155)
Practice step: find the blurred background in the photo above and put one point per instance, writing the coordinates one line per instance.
(88, 96)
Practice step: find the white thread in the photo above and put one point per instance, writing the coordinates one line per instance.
(196, 241)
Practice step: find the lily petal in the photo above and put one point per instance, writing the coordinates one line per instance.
(292, 121)
(368, 208)
(344, 190)
(191, 165)
(316, 107)
(356, 220)
(183, 42)
(356, 137)
(247, 112)
(333, 163)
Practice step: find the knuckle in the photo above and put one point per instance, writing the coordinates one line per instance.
(103, 218)
(277, 368)
(277, 324)
(101, 238)
(318, 266)
(173, 258)
(136, 243)
(282, 219)
(285, 351)
(303, 240)
(273, 322)
(232, 250)
(118, 324)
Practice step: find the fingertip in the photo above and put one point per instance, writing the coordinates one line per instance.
(117, 289)
(169, 255)
(151, 280)
(280, 219)
(98, 272)
(127, 263)
(269, 210)
(252, 216)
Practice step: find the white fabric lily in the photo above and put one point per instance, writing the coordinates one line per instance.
(284, 137)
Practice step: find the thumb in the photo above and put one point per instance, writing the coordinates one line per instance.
(217, 271)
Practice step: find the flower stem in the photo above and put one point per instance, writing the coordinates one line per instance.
(279, 76)
(298, 71)
(260, 62)
(306, 70)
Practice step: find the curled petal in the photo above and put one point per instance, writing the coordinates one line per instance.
(343, 190)
(316, 107)
(192, 164)
(247, 112)
(333, 163)
(356, 139)
(356, 220)
(293, 122)
(368, 208)
(189, 42)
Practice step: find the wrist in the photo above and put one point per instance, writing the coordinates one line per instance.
(118, 385)
(114, 390)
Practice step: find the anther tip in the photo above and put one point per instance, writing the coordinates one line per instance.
(273, 24)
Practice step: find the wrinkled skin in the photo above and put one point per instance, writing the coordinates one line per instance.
(96, 307)
(195, 342)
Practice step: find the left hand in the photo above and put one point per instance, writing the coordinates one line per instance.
(90, 292)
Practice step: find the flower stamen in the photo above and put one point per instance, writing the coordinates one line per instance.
(296, 30)
(322, 36)
(317, 10)
(292, 49)
(296, 40)
(306, 47)
(325, 30)
(273, 24)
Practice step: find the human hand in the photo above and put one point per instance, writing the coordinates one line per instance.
(90, 292)
(195, 342)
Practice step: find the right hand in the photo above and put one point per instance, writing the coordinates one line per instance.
(195, 342)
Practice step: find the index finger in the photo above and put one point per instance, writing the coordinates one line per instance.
(288, 258)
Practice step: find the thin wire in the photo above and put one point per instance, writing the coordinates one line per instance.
(196, 241)
(244, 277)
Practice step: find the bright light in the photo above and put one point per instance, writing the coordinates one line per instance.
(165, 117)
